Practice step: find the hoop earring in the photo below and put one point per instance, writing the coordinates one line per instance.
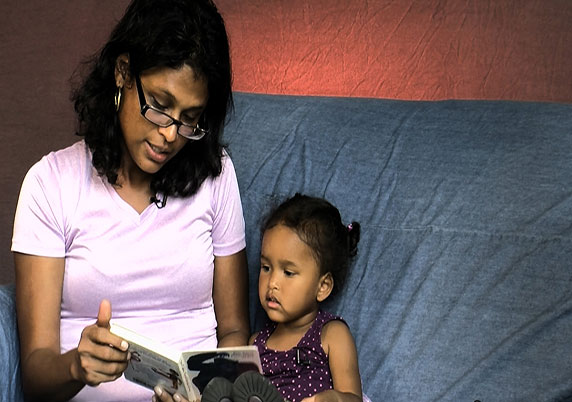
(117, 98)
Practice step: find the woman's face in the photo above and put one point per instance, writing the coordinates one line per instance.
(178, 93)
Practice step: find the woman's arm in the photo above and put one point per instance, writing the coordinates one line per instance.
(230, 297)
(339, 345)
(46, 373)
(252, 338)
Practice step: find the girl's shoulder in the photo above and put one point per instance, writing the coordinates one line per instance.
(252, 338)
(335, 327)
(336, 333)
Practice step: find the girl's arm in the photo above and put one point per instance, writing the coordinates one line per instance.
(339, 345)
(46, 373)
(230, 297)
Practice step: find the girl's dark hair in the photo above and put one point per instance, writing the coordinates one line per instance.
(318, 224)
(160, 33)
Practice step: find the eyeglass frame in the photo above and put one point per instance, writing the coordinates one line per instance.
(145, 107)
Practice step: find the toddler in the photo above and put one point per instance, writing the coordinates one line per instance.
(305, 256)
(307, 354)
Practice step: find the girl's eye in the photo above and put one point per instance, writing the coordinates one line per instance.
(264, 268)
(288, 273)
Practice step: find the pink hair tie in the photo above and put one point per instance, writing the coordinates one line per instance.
(350, 227)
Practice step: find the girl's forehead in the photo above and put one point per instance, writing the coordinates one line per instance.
(282, 231)
(283, 242)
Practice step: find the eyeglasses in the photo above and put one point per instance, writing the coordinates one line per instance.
(157, 117)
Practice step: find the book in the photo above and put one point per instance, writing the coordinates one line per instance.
(186, 372)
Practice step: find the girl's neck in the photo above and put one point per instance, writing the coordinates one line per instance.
(286, 335)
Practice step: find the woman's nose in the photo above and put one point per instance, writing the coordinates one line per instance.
(169, 133)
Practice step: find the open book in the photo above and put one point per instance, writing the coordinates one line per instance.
(187, 373)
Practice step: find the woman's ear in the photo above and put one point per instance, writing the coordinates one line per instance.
(121, 70)
(325, 287)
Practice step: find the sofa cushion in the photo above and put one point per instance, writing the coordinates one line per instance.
(10, 385)
(461, 289)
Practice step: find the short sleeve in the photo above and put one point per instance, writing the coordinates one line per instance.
(228, 225)
(38, 223)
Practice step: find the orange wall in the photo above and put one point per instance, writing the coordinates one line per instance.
(432, 49)
(425, 49)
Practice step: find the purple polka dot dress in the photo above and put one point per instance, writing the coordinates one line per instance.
(303, 370)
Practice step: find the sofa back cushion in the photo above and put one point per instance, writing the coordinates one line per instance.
(461, 286)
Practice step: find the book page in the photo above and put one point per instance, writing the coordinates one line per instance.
(202, 366)
(151, 363)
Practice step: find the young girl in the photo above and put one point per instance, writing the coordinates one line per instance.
(307, 353)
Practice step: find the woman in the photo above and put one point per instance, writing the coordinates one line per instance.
(141, 220)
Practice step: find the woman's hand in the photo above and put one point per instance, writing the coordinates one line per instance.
(47, 374)
(163, 396)
(101, 356)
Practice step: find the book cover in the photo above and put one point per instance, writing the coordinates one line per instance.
(153, 363)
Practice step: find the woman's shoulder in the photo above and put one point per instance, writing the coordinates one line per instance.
(62, 168)
(226, 161)
(224, 184)
(71, 155)
(72, 158)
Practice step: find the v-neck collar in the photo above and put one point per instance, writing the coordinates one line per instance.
(149, 211)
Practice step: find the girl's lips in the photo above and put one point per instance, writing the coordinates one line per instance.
(272, 303)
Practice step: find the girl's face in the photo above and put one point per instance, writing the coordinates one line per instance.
(290, 285)
(178, 93)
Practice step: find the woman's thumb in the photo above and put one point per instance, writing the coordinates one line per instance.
(104, 314)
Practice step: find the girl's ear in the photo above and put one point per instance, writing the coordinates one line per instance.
(325, 287)
(121, 70)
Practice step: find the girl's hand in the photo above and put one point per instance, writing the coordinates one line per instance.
(317, 398)
(163, 396)
(101, 356)
(332, 396)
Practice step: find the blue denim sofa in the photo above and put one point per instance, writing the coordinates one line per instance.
(462, 286)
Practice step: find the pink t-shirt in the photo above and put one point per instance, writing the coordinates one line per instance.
(156, 267)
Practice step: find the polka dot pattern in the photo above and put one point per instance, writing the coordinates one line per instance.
(302, 371)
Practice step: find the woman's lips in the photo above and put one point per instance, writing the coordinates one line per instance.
(157, 154)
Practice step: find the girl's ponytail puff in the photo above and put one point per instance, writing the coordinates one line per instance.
(353, 237)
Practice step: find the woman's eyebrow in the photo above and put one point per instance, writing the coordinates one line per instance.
(173, 100)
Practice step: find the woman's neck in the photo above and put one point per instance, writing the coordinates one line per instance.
(133, 186)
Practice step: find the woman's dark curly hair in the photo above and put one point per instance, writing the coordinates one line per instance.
(160, 33)
(318, 224)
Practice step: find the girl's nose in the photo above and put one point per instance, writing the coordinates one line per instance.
(273, 282)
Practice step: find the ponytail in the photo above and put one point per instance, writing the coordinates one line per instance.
(353, 238)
